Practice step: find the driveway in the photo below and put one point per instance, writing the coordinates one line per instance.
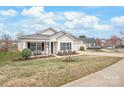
(95, 54)
(112, 76)
(102, 54)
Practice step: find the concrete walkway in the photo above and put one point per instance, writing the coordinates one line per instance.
(112, 76)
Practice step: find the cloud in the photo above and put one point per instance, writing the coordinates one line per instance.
(36, 26)
(102, 27)
(75, 22)
(40, 15)
(89, 21)
(10, 12)
(72, 15)
(33, 11)
(47, 18)
(118, 21)
(79, 20)
(4, 30)
(82, 21)
(2, 27)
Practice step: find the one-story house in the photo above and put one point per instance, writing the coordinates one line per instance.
(50, 41)
(89, 42)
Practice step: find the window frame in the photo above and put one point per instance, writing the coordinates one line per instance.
(36, 46)
(65, 46)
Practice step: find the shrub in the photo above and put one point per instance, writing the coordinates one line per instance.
(37, 52)
(65, 53)
(74, 52)
(70, 52)
(81, 48)
(26, 53)
(60, 53)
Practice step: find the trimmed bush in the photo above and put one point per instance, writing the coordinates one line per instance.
(26, 53)
(70, 52)
(74, 52)
(65, 52)
(60, 53)
(81, 48)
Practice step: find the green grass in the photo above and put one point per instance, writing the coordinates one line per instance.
(11, 55)
(50, 72)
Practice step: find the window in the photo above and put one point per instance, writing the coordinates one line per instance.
(39, 46)
(42, 46)
(65, 46)
(35, 46)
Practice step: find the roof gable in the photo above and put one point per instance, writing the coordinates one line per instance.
(48, 31)
(69, 36)
(64, 38)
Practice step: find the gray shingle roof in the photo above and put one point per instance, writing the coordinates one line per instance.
(36, 36)
(88, 40)
(40, 36)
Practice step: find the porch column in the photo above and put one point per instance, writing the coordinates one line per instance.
(23, 45)
(36, 46)
(49, 47)
(46, 48)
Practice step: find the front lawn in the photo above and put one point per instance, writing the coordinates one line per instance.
(50, 72)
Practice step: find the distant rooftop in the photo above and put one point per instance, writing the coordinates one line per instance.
(88, 40)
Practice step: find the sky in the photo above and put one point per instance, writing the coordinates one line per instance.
(91, 21)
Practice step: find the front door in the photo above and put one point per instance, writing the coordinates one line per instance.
(52, 47)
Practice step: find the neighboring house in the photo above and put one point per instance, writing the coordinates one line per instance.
(89, 42)
(103, 43)
(49, 41)
(122, 42)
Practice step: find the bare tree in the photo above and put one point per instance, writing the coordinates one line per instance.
(98, 42)
(113, 40)
(20, 34)
(122, 32)
(6, 39)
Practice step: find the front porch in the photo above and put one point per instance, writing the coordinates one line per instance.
(46, 47)
(42, 48)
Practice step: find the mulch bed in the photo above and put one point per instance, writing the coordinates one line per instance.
(34, 57)
(67, 54)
